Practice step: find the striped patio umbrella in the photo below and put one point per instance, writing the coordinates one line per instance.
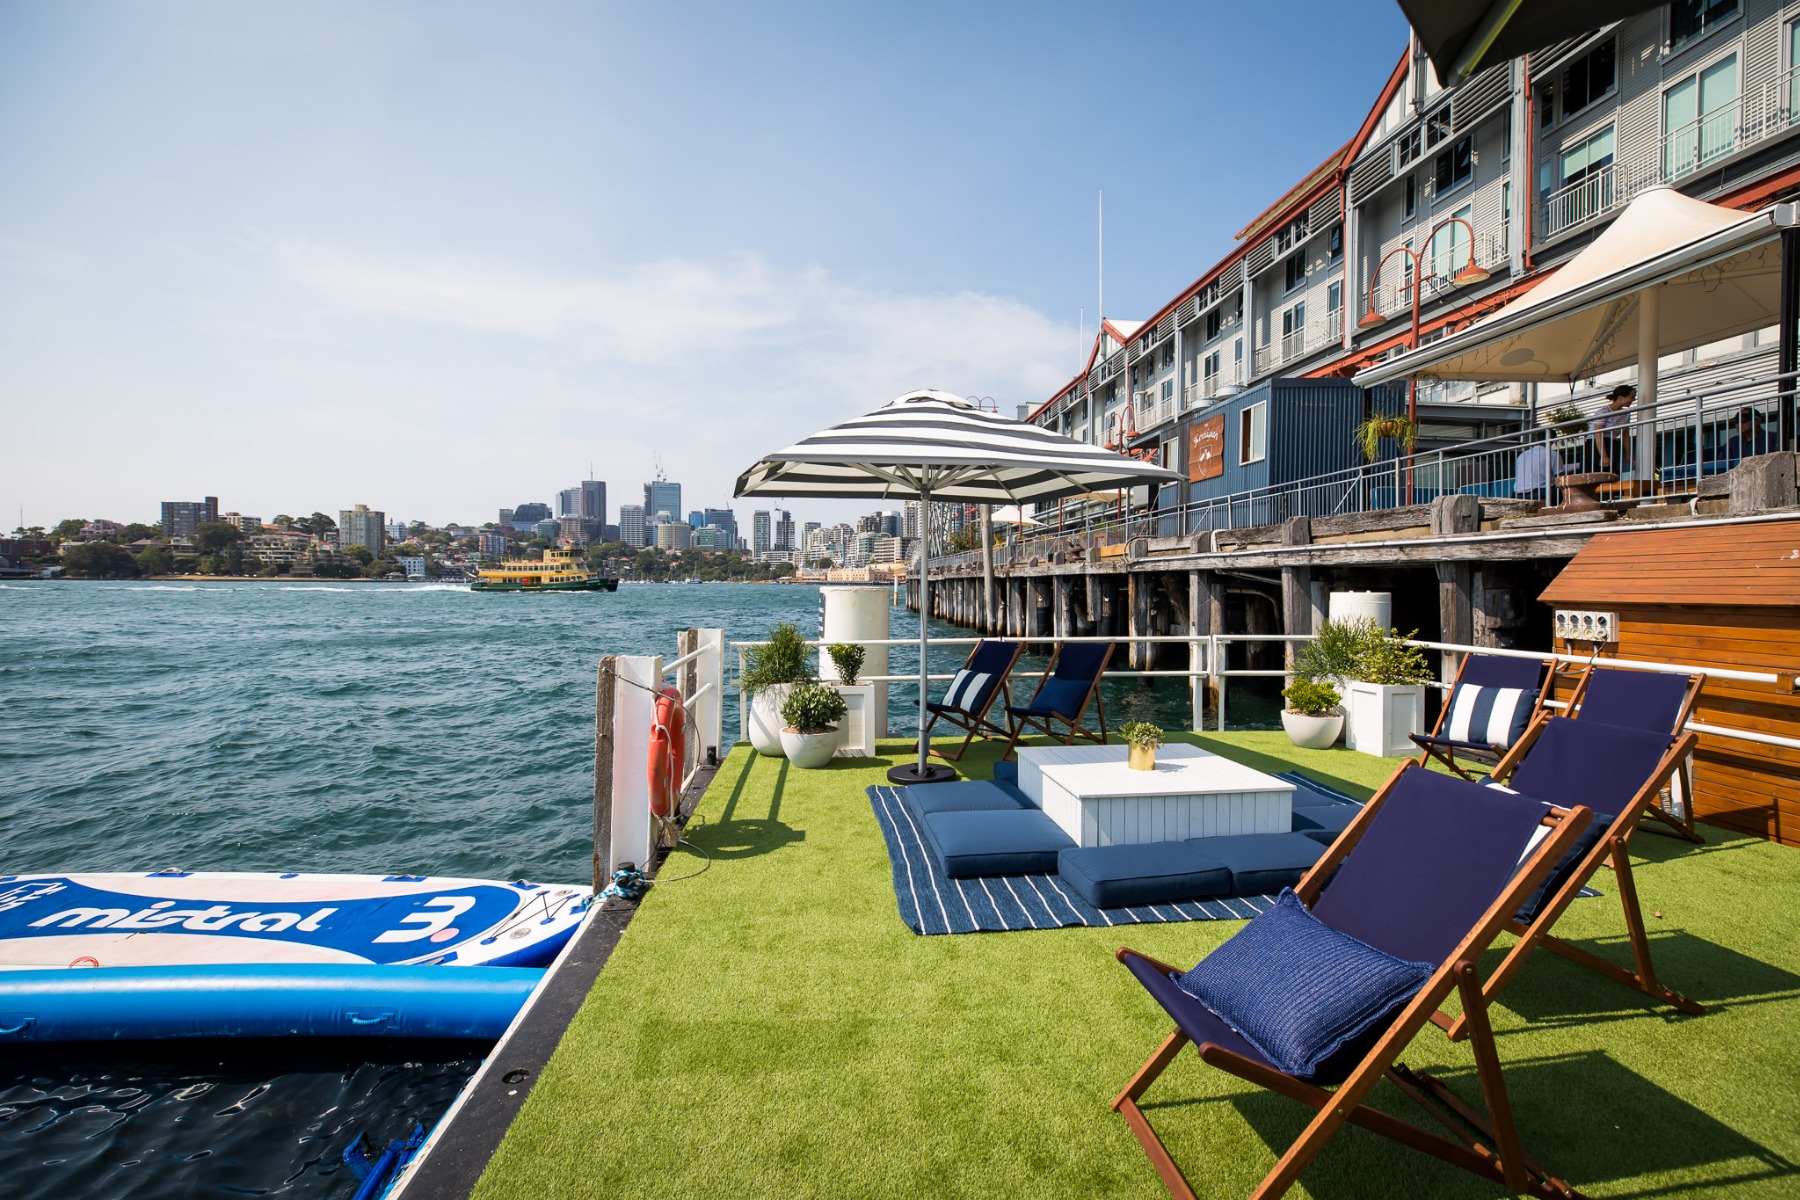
(934, 446)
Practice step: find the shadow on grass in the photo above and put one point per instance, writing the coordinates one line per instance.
(1588, 1118)
(730, 836)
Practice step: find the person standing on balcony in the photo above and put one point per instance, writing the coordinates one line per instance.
(1536, 472)
(1612, 430)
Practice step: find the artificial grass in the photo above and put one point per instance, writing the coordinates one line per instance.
(770, 1028)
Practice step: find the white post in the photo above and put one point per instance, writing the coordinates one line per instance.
(743, 703)
(924, 621)
(1648, 339)
(637, 680)
(709, 712)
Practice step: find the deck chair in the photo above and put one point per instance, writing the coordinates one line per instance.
(1617, 773)
(1648, 700)
(1491, 703)
(1428, 873)
(1068, 685)
(971, 693)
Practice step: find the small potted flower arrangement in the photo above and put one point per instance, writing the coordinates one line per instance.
(1144, 738)
(1311, 718)
(810, 737)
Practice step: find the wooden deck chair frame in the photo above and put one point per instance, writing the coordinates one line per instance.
(977, 724)
(1447, 754)
(1017, 725)
(1681, 780)
(1613, 849)
(1492, 1151)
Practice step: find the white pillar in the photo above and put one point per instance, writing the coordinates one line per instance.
(634, 709)
(709, 710)
(1648, 338)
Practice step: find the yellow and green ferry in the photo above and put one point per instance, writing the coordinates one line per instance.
(557, 571)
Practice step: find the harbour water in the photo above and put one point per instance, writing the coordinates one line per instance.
(386, 728)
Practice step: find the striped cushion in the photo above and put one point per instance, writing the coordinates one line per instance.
(968, 691)
(1489, 716)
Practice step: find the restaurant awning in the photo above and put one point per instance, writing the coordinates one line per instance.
(1463, 36)
(1713, 273)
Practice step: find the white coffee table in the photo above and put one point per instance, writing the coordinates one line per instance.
(1099, 801)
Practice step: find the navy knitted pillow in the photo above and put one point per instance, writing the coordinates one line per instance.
(1060, 696)
(1300, 991)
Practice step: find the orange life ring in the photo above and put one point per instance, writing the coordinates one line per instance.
(668, 752)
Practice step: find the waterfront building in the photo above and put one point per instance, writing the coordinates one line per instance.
(784, 529)
(573, 529)
(413, 565)
(274, 546)
(761, 533)
(362, 526)
(661, 496)
(99, 528)
(674, 535)
(240, 522)
(632, 528)
(179, 517)
(492, 545)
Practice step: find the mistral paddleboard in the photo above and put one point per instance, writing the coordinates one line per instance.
(174, 918)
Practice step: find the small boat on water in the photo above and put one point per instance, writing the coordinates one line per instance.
(557, 571)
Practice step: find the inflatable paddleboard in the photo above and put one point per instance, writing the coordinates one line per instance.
(260, 1000)
(176, 918)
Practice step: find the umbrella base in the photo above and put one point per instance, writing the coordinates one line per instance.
(910, 773)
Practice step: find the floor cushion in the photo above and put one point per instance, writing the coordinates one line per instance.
(1263, 863)
(1323, 822)
(1006, 772)
(1156, 873)
(964, 796)
(1019, 841)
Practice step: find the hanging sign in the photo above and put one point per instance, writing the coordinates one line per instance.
(1206, 449)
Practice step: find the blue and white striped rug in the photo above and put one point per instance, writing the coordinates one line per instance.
(931, 902)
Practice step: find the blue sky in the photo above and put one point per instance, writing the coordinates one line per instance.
(439, 257)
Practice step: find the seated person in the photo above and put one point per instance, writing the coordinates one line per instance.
(1536, 473)
(1750, 437)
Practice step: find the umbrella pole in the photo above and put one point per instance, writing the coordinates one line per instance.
(923, 771)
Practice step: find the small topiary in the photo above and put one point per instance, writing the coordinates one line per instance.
(812, 707)
(848, 659)
(1141, 733)
(1310, 698)
(782, 659)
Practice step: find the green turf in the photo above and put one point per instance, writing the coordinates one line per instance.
(770, 1028)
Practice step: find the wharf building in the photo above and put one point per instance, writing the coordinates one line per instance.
(362, 526)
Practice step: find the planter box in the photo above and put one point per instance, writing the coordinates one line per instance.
(857, 729)
(1381, 717)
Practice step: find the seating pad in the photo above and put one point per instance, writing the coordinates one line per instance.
(962, 796)
(1156, 873)
(1322, 823)
(1020, 841)
(1263, 863)
(1423, 740)
(1007, 773)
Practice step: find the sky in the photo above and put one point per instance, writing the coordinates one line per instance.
(442, 258)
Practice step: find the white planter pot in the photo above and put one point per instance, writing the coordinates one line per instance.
(1312, 733)
(1381, 717)
(808, 750)
(765, 719)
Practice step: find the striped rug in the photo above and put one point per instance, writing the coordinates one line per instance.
(931, 902)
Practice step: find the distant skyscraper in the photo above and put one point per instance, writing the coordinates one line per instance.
(573, 529)
(784, 529)
(568, 502)
(674, 535)
(890, 524)
(548, 529)
(593, 500)
(761, 532)
(723, 520)
(180, 516)
(506, 518)
(662, 496)
(362, 526)
(911, 518)
(696, 519)
(527, 515)
(631, 525)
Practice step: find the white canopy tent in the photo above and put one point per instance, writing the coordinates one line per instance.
(1670, 273)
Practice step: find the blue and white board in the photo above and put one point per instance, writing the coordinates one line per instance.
(191, 918)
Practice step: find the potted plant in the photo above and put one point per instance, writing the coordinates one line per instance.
(848, 659)
(1311, 718)
(809, 737)
(770, 672)
(1144, 739)
(1567, 418)
(1400, 427)
(1387, 695)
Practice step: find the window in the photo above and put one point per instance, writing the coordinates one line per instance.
(1253, 433)
(1454, 166)
(1546, 105)
(1334, 297)
(1168, 355)
(1409, 204)
(1437, 127)
(1237, 355)
(1337, 238)
(1293, 320)
(1168, 390)
(1585, 161)
(1450, 244)
(1215, 320)
(1589, 78)
(1688, 19)
(1700, 118)
(1408, 148)
(1793, 39)
(1209, 367)
(1293, 234)
(1295, 270)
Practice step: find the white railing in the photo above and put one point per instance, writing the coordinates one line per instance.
(1703, 141)
(1579, 202)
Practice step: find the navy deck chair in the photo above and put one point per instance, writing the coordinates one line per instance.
(1651, 701)
(972, 692)
(1316, 998)
(1491, 703)
(1069, 684)
(1617, 773)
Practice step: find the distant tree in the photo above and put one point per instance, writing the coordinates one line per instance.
(361, 554)
(538, 543)
(416, 530)
(100, 560)
(212, 537)
(283, 521)
(137, 531)
(155, 560)
(234, 559)
(319, 523)
(209, 564)
(334, 570)
(71, 528)
(271, 569)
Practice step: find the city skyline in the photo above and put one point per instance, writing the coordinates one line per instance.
(346, 252)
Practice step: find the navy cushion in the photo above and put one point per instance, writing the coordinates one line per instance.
(1060, 696)
(1488, 716)
(1156, 873)
(962, 796)
(1007, 773)
(1263, 863)
(970, 691)
(995, 842)
(1301, 992)
(1324, 822)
